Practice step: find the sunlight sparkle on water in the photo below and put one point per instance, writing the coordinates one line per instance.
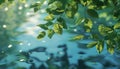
(43, 41)
(42, 10)
(4, 26)
(45, 3)
(28, 13)
(22, 60)
(20, 50)
(20, 7)
(6, 9)
(29, 44)
(21, 44)
(48, 57)
(26, 5)
(9, 46)
(38, 2)
(75, 30)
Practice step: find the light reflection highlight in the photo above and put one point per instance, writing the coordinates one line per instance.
(4, 26)
(9, 46)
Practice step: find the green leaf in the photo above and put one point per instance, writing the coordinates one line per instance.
(88, 25)
(92, 44)
(111, 35)
(49, 23)
(79, 20)
(71, 8)
(50, 17)
(41, 35)
(110, 42)
(117, 26)
(50, 33)
(58, 4)
(69, 14)
(110, 46)
(60, 10)
(58, 28)
(95, 36)
(62, 22)
(100, 46)
(55, 7)
(98, 3)
(52, 6)
(104, 30)
(78, 37)
(92, 13)
(43, 26)
(35, 5)
(36, 9)
(110, 50)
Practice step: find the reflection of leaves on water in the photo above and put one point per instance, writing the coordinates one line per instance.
(95, 58)
(42, 67)
(82, 46)
(109, 64)
(82, 65)
(62, 46)
(64, 59)
(38, 49)
(101, 59)
(81, 52)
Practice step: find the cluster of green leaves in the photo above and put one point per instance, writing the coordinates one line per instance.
(116, 5)
(56, 22)
(110, 38)
(107, 35)
(36, 6)
(58, 10)
(51, 27)
(104, 34)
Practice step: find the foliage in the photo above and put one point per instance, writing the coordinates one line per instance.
(99, 18)
(86, 14)
(78, 37)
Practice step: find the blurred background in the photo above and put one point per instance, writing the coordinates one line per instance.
(20, 49)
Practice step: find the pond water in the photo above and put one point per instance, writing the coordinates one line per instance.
(29, 41)
(55, 53)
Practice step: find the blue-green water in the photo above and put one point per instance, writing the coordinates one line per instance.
(29, 41)
(38, 52)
